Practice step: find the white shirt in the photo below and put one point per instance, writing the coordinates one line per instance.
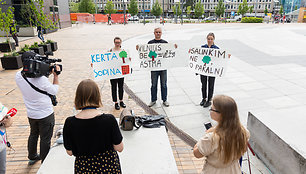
(38, 105)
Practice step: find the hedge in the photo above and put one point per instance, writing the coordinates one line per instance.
(251, 20)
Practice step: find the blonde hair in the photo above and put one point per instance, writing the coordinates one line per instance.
(233, 136)
(87, 95)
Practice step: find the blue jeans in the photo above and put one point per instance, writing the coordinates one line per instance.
(40, 35)
(163, 84)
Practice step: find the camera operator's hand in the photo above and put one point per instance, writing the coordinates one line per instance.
(7, 121)
(55, 79)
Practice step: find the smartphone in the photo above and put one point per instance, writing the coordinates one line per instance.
(207, 125)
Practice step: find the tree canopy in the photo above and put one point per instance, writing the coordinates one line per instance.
(220, 8)
(156, 9)
(199, 9)
(243, 8)
(87, 6)
(133, 7)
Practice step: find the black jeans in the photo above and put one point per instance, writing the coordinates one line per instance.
(44, 129)
(114, 83)
(163, 84)
(211, 85)
(15, 38)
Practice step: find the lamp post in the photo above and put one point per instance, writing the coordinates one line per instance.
(144, 21)
(175, 2)
(163, 11)
(182, 13)
(124, 11)
(255, 8)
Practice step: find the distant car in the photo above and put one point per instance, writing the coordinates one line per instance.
(134, 18)
(235, 19)
(210, 18)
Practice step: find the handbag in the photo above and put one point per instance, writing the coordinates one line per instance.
(128, 120)
(52, 97)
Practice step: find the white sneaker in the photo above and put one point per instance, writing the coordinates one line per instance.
(152, 103)
(166, 103)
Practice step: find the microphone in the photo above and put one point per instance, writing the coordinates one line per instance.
(11, 112)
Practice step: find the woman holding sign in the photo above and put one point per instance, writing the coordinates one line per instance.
(119, 81)
(206, 98)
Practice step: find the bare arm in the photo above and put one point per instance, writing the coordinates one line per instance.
(196, 152)
(7, 121)
(69, 152)
(55, 78)
(119, 147)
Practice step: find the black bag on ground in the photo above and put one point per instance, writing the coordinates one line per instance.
(127, 120)
(152, 121)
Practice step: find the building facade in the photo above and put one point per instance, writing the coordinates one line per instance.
(290, 5)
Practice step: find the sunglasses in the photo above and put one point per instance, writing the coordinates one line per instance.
(214, 110)
(117, 42)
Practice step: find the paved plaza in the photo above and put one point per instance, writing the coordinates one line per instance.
(267, 72)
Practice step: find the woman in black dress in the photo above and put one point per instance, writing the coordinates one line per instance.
(93, 138)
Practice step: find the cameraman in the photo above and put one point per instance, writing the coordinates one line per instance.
(40, 112)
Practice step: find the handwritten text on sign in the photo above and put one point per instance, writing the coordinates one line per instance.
(207, 61)
(156, 56)
(110, 65)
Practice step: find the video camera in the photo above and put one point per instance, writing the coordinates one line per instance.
(35, 65)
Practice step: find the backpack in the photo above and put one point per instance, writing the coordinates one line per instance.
(128, 120)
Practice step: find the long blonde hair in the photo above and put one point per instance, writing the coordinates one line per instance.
(233, 136)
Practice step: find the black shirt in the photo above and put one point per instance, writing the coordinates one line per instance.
(157, 41)
(91, 136)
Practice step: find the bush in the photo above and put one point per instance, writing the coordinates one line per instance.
(49, 41)
(12, 54)
(251, 20)
(25, 48)
(35, 45)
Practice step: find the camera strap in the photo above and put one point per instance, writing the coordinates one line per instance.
(34, 87)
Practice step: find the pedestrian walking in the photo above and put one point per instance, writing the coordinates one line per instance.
(5, 122)
(40, 32)
(225, 143)
(118, 81)
(13, 32)
(207, 93)
(93, 138)
(160, 73)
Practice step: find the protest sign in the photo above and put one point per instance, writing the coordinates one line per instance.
(110, 65)
(156, 56)
(207, 61)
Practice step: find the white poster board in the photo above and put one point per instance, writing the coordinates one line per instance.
(156, 56)
(207, 61)
(110, 65)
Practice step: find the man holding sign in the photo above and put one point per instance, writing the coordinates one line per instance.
(157, 66)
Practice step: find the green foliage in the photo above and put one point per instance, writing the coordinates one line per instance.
(28, 15)
(281, 10)
(25, 48)
(35, 45)
(133, 7)
(109, 8)
(7, 20)
(251, 20)
(87, 6)
(74, 7)
(251, 9)
(41, 19)
(123, 54)
(42, 43)
(156, 9)
(266, 11)
(188, 10)
(177, 9)
(11, 54)
(198, 10)
(189, 3)
(220, 8)
(243, 8)
(295, 8)
(49, 41)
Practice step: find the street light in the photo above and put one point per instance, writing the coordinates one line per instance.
(163, 11)
(124, 11)
(144, 22)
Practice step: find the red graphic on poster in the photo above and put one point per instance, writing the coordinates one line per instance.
(125, 69)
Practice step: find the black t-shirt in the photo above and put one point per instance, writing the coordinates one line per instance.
(157, 41)
(91, 136)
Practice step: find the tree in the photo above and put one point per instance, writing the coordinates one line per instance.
(6, 21)
(177, 9)
(198, 10)
(27, 14)
(251, 9)
(281, 11)
(109, 8)
(87, 6)
(220, 8)
(243, 8)
(188, 11)
(156, 10)
(188, 3)
(266, 11)
(74, 7)
(133, 7)
(295, 8)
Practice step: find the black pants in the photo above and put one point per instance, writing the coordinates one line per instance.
(211, 85)
(114, 83)
(44, 129)
(15, 38)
